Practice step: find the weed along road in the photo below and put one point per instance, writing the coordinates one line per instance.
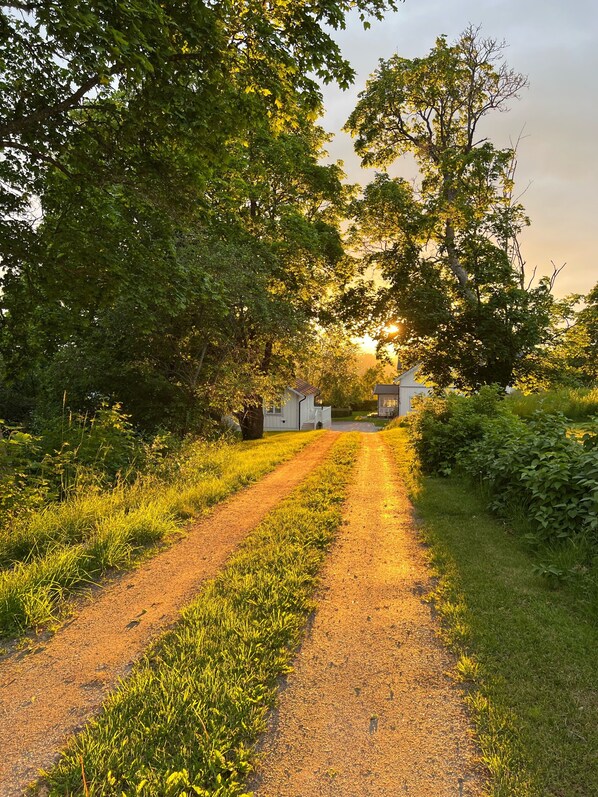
(369, 710)
(50, 690)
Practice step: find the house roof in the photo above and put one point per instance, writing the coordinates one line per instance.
(386, 390)
(303, 387)
(410, 371)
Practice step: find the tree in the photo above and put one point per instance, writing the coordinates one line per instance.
(447, 248)
(290, 206)
(160, 68)
(157, 238)
(569, 357)
(179, 315)
(333, 362)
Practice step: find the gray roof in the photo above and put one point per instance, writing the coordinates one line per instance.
(386, 390)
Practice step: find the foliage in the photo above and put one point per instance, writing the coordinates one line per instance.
(19, 456)
(332, 363)
(168, 228)
(569, 357)
(103, 445)
(442, 428)
(219, 668)
(447, 248)
(69, 454)
(152, 71)
(180, 318)
(535, 468)
(46, 555)
(577, 404)
(539, 468)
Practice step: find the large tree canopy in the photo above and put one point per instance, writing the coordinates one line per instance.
(179, 316)
(177, 64)
(166, 230)
(118, 79)
(447, 247)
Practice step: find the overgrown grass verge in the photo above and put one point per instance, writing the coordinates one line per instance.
(186, 721)
(67, 545)
(527, 654)
(578, 404)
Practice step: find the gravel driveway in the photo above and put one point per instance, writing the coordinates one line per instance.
(353, 426)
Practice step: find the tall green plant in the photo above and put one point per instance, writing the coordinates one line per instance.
(446, 247)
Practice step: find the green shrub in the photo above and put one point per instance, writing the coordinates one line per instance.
(340, 412)
(532, 468)
(368, 405)
(70, 455)
(538, 468)
(103, 447)
(21, 486)
(440, 428)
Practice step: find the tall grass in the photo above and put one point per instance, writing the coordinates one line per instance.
(53, 552)
(577, 404)
(186, 721)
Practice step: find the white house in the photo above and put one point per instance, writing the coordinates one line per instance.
(395, 399)
(297, 410)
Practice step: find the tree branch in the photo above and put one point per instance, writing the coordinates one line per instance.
(18, 126)
(8, 144)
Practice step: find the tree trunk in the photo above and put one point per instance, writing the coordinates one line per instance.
(251, 421)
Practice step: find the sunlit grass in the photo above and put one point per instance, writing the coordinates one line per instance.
(578, 404)
(187, 719)
(528, 653)
(70, 544)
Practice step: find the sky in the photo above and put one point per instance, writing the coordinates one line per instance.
(554, 43)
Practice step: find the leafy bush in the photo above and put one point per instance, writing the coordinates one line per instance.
(340, 412)
(367, 405)
(20, 488)
(70, 454)
(440, 428)
(530, 468)
(538, 467)
(103, 446)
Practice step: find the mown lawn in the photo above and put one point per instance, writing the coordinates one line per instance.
(361, 416)
(528, 654)
(186, 721)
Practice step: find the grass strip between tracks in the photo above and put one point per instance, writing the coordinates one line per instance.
(74, 543)
(527, 655)
(187, 719)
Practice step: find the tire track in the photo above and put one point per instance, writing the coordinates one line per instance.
(48, 692)
(369, 710)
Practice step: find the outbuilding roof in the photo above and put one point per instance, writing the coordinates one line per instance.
(386, 390)
(303, 387)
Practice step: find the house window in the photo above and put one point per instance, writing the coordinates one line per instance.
(274, 409)
(390, 403)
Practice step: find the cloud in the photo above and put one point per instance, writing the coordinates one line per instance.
(554, 43)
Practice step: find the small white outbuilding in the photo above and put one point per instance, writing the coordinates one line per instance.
(396, 398)
(297, 410)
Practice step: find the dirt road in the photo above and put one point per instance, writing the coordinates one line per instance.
(369, 710)
(45, 694)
